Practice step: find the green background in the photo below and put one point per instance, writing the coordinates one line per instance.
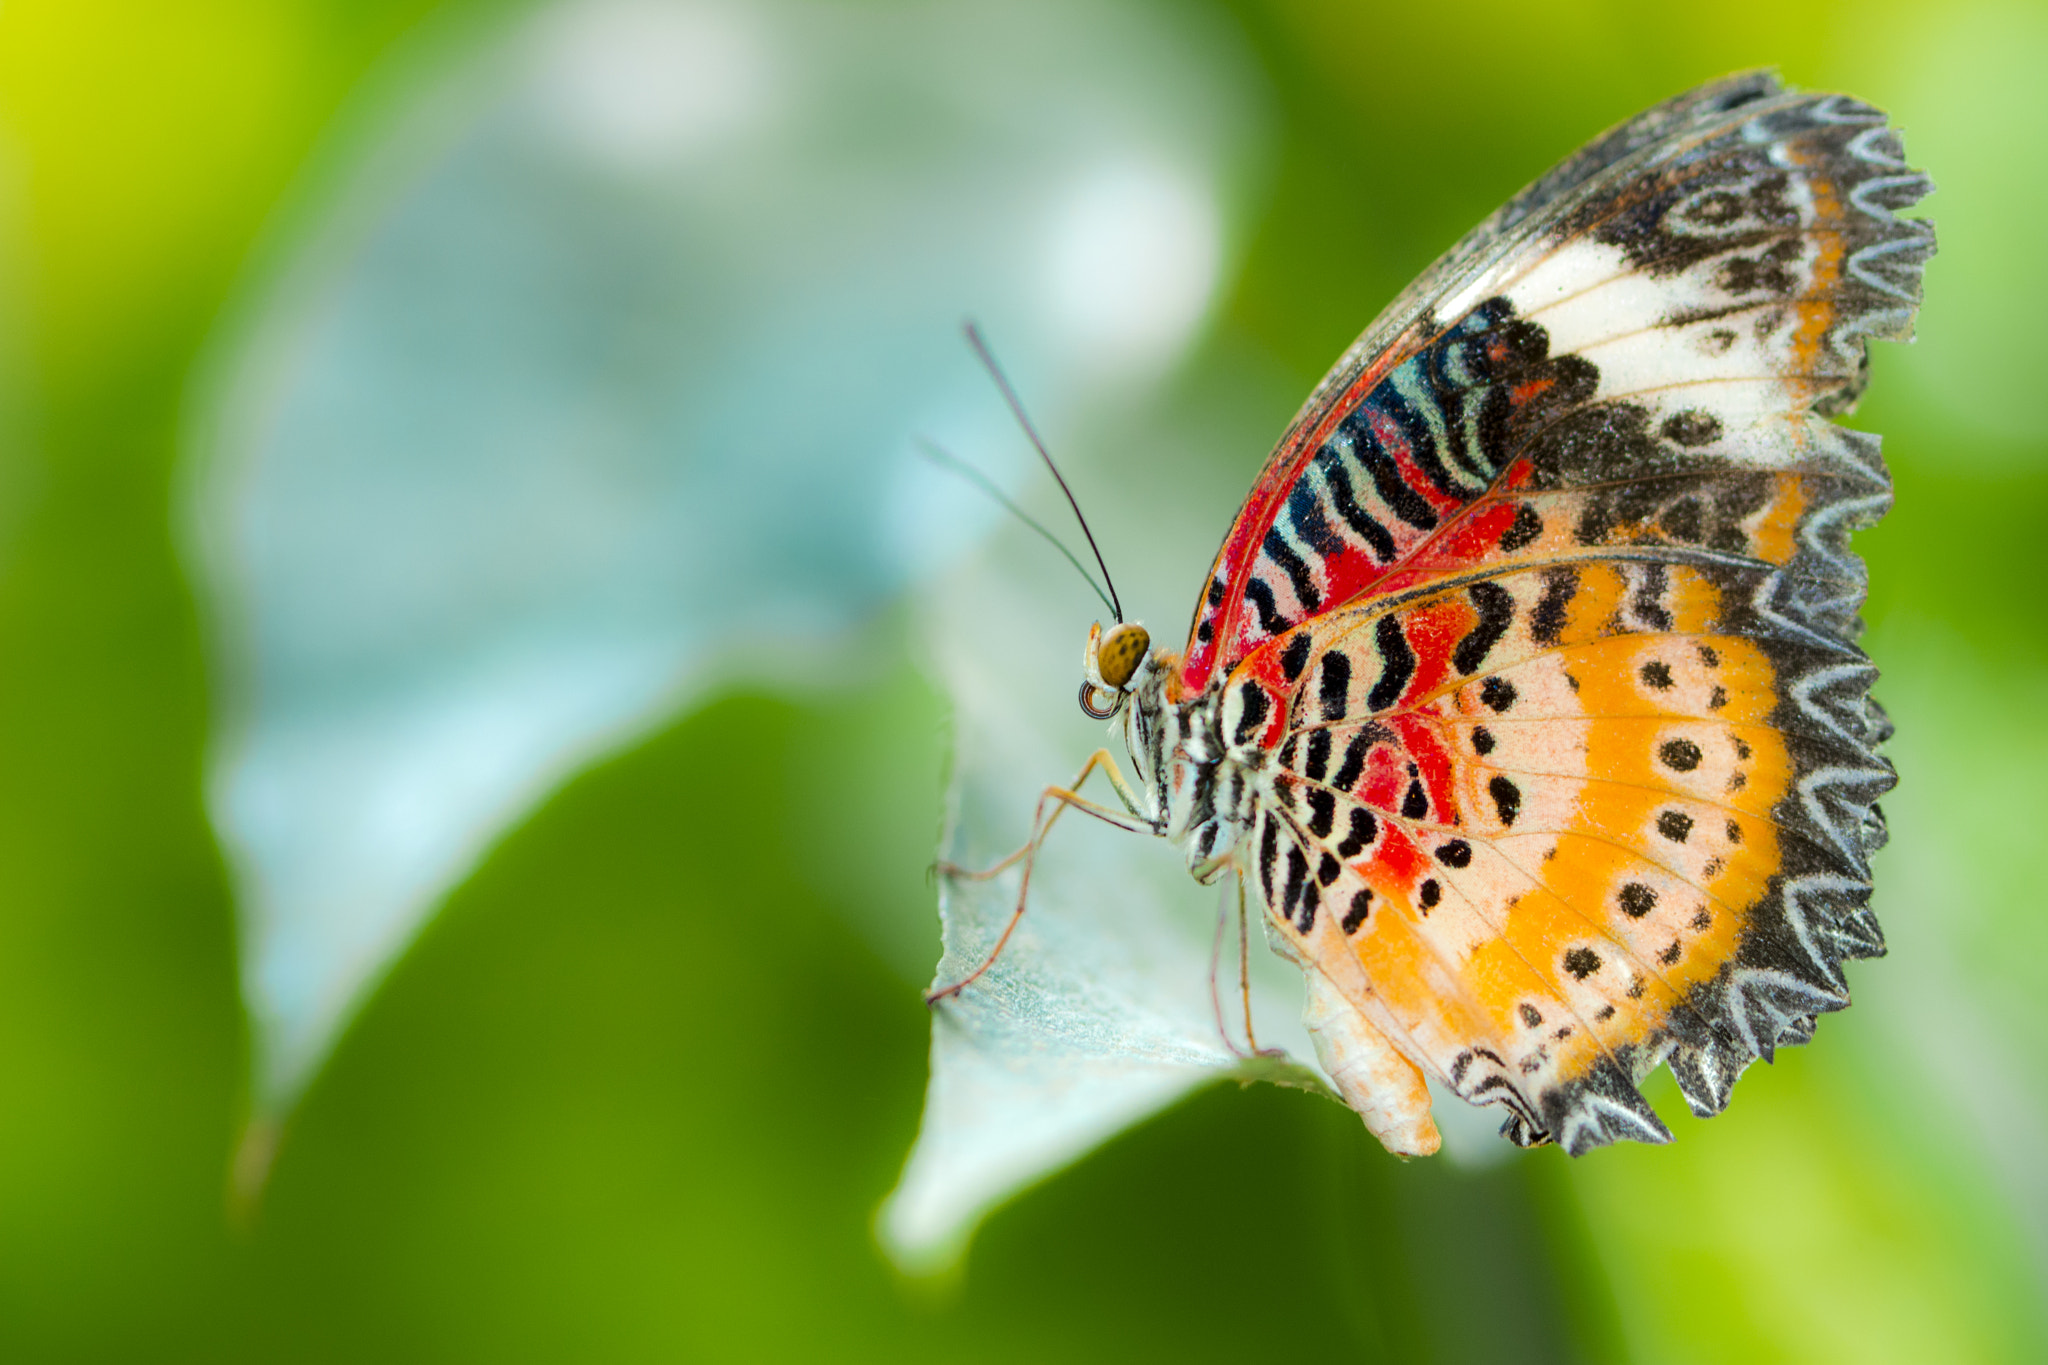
(542, 1139)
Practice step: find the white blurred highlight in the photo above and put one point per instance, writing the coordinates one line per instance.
(639, 84)
(1133, 254)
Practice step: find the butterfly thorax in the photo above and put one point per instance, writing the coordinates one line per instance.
(1199, 789)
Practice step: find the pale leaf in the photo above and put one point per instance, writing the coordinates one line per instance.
(592, 380)
(1102, 1009)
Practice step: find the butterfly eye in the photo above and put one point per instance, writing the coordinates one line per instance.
(1120, 652)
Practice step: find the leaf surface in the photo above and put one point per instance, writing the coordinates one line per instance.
(593, 384)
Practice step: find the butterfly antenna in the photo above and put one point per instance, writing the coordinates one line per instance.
(995, 371)
(940, 456)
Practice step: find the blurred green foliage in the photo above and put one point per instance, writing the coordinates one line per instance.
(545, 1140)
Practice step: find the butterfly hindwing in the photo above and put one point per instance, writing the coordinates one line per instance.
(1560, 819)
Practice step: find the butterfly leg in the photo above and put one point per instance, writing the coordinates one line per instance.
(1216, 996)
(1244, 975)
(1203, 873)
(1052, 803)
(1244, 970)
(1065, 796)
(1244, 980)
(1244, 966)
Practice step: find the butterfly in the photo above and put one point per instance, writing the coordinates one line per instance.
(1523, 693)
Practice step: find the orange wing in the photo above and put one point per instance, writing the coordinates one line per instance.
(1614, 838)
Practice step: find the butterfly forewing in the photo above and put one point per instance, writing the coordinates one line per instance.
(1547, 600)
(1683, 312)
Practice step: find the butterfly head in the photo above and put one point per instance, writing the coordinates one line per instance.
(1111, 661)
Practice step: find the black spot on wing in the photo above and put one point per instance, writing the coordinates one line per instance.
(1305, 513)
(1507, 798)
(1260, 594)
(1318, 756)
(1547, 622)
(1335, 690)
(1406, 503)
(1397, 664)
(1685, 521)
(1353, 766)
(1421, 439)
(1361, 906)
(1256, 709)
(1692, 427)
(1281, 553)
(1679, 755)
(1337, 478)
(1764, 272)
(1522, 532)
(1648, 602)
(1495, 607)
(1582, 962)
(1595, 524)
(1322, 807)
(1296, 884)
(1294, 658)
(1364, 829)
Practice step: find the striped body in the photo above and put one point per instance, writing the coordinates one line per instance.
(1523, 691)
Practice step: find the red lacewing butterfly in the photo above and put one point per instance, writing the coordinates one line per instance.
(1523, 693)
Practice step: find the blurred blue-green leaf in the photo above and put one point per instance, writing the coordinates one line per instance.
(594, 381)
